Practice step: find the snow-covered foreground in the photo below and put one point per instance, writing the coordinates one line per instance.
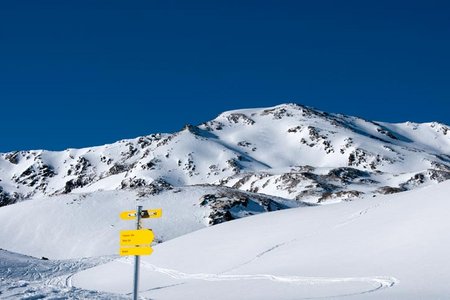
(29, 278)
(387, 247)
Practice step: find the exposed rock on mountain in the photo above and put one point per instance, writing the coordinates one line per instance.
(289, 151)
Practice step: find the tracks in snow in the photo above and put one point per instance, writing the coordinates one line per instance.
(376, 282)
(353, 217)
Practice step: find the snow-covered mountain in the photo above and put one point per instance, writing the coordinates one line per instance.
(65, 205)
(291, 151)
(244, 162)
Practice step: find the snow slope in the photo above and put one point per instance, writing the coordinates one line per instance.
(387, 247)
(85, 225)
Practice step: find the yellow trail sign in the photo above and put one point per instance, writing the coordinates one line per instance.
(152, 213)
(146, 213)
(128, 215)
(136, 237)
(136, 251)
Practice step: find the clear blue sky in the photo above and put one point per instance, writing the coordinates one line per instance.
(83, 73)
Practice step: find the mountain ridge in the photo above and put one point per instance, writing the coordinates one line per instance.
(262, 150)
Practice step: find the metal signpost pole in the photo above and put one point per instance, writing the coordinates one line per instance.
(136, 257)
(137, 242)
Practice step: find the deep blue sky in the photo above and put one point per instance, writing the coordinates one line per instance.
(82, 73)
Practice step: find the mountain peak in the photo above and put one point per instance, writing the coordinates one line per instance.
(287, 150)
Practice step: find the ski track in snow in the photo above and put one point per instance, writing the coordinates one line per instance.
(258, 256)
(377, 282)
(350, 219)
(358, 215)
(47, 287)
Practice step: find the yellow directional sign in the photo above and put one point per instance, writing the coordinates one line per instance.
(136, 251)
(146, 213)
(128, 215)
(152, 213)
(136, 237)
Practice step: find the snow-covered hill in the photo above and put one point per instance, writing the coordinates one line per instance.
(288, 150)
(388, 247)
(84, 225)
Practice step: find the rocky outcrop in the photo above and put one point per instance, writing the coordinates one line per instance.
(228, 205)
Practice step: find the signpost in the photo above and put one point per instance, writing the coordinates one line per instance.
(137, 242)
(136, 251)
(136, 237)
(146, 213)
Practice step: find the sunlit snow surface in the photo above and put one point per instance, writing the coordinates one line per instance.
(392, 246)
(388, 247)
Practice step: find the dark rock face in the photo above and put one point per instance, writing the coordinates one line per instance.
(439, 175)
(144, 142)
(189, 166)
(290, 181)
(245, 144)
(240, 118)
(221, 208)
(78, 182)
(362, 158)
(348, 195)
(7, 199)
(13, 157)
(144, 188)
(213, 125)
(230, 204)
(278, 113)
(80, 167)
(422, 177)
(346, 174)
(234, 165)
(151, 165)
(389, 190)
(316, 137)
(384, 131)
(414, 181)
(36, 176)
(295, 129)
(84, 173)
(440, 166)
(132, 183)
(118, 168)
(303, 184)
